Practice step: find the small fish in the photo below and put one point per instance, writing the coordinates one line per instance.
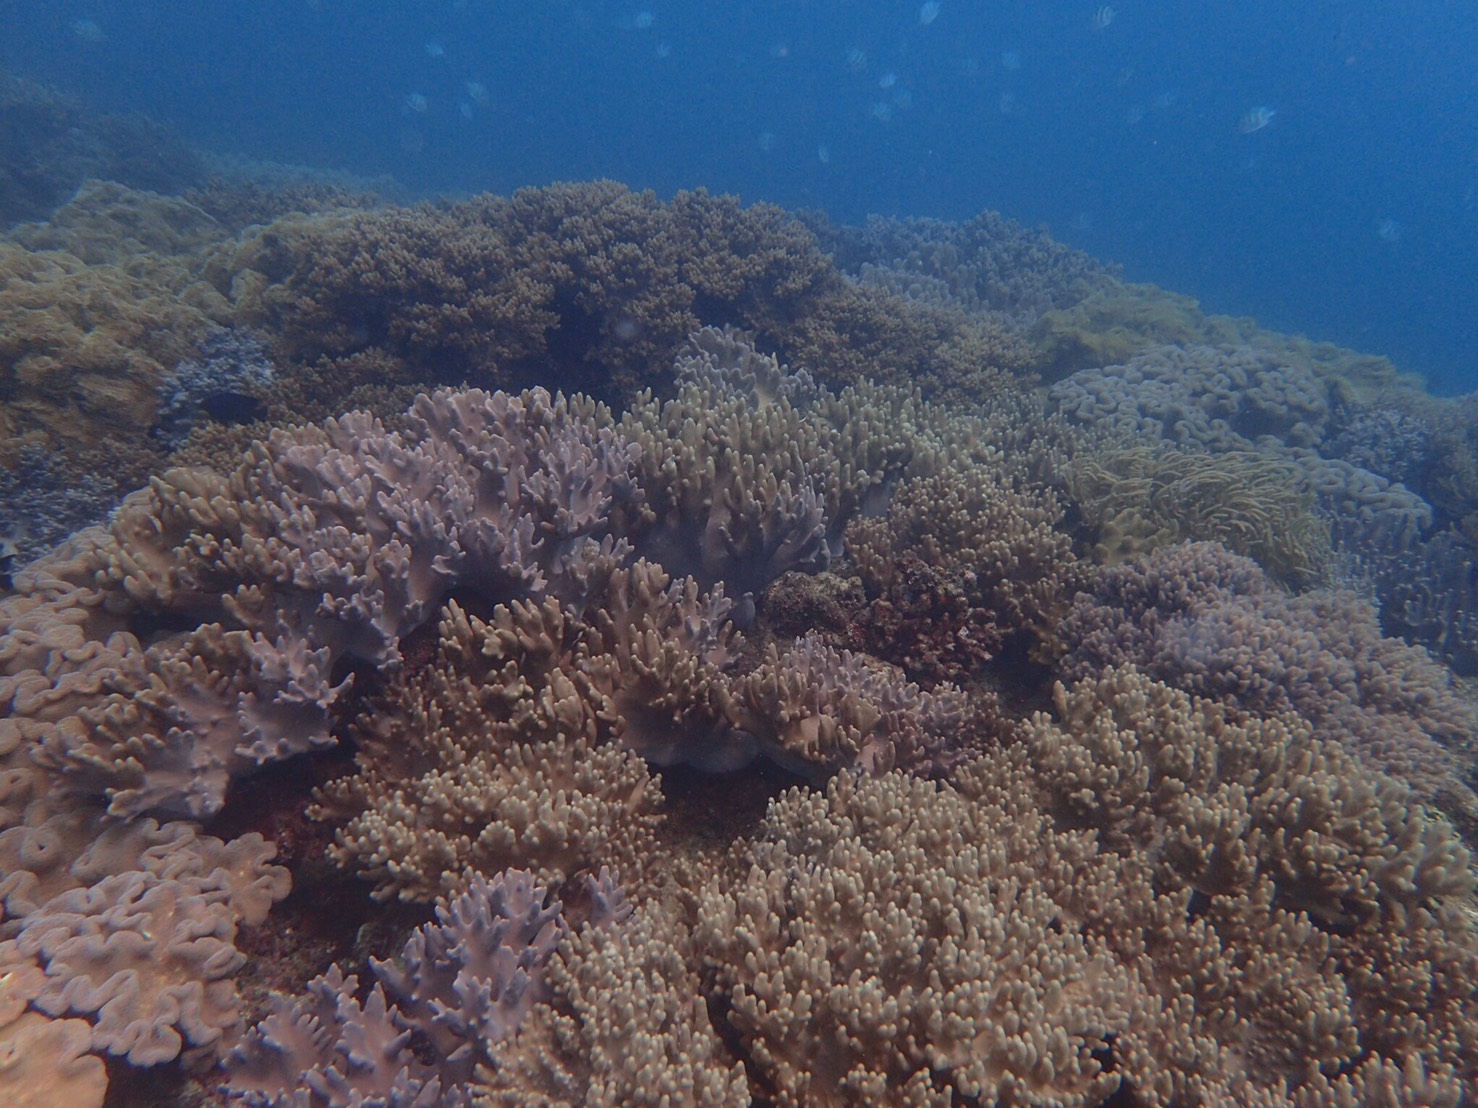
(1255, 119)
(780, 49)
(435, 50)
(823, 154)
(477, 92)
(1388, 230)
(465, 108)
(664, 50)
(856, 60)
(1103, 16)
(415, 102)
(928, 13)
(766, 141)
(1010, 60)
(882, 111)
(887, 80)
(9, 556)
(643, 20)
(234, 407)
(87, 30)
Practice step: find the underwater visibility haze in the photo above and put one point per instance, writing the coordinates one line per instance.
(1308, 164)
(810, 553)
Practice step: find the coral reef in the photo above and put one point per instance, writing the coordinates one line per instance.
(1210, 622)
(1254, 504)
(985, 264)
(50, 144)
(319, 756)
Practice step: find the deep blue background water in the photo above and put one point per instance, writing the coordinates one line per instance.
(1352, 216)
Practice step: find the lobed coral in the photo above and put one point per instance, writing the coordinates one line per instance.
(1212, 397)
(988, 263)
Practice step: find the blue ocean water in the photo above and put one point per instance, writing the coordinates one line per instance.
(1314, 165)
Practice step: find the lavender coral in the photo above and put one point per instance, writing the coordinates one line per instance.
(1209, 621)
(461, 984)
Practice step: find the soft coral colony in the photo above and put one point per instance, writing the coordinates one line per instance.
(729, 732)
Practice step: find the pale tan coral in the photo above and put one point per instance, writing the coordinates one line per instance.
(487, 758)
(1304, 912)
(815, 709)
(896, 941)
(44, 1062)
(1209, 909)
(626, 1025)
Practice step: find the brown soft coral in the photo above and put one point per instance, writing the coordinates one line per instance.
(601, 281)
(961, 563)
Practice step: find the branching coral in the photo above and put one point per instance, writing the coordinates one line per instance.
(1146, 898)
(486, 758)
(892, 939)
(625, 1023)
(741, 488)
(1210, 622)
(817, 710)
(461, 984)
(959, 563)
